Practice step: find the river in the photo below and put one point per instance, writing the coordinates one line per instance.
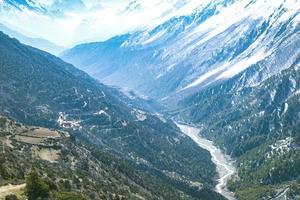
(223, 162)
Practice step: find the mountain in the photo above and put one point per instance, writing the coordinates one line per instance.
(192, 51)
(53, 6)
(231, 68)
(38, 89)
(35, 42)
(228, 67)
(23, 4)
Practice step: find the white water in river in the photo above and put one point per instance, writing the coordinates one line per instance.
(224, 164)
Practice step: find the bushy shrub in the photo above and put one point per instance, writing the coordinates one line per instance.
(36, 187)
(67, 196)
(11, 197)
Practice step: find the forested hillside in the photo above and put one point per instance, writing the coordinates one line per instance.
(41, 90)
(257, 125)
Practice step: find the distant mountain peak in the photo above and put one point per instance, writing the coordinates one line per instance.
(34, 42)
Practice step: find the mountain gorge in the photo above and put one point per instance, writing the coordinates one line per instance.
(41, 90)
(232, 69)
(229, 68)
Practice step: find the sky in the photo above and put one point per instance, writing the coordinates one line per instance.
(97, 21)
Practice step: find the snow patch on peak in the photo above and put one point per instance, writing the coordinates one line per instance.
(243, 64)
(228, 70)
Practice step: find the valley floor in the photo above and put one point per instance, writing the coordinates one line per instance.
(223, 162)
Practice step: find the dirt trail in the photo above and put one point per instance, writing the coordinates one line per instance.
(10, 189)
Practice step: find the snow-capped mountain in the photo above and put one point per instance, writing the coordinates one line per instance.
(21, 4)
(43, 6)
(213, 43)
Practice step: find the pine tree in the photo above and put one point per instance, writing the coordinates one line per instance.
(36, 187)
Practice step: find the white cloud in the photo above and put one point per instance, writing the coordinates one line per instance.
(45, 2)
(102, 20)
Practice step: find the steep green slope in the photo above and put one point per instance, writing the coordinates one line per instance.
(69, 165)
(257, 125)
(40, 89)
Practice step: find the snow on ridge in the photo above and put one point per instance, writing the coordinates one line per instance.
(187, 9)
(228, 70)
(198, 40)
(243, 64)
(154, 37)
(220, 23)
(205, 77)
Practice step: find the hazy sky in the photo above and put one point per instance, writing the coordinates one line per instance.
(100, 19)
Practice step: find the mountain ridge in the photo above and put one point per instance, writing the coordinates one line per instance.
(199, 62)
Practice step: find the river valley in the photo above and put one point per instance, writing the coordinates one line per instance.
(223, 162)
